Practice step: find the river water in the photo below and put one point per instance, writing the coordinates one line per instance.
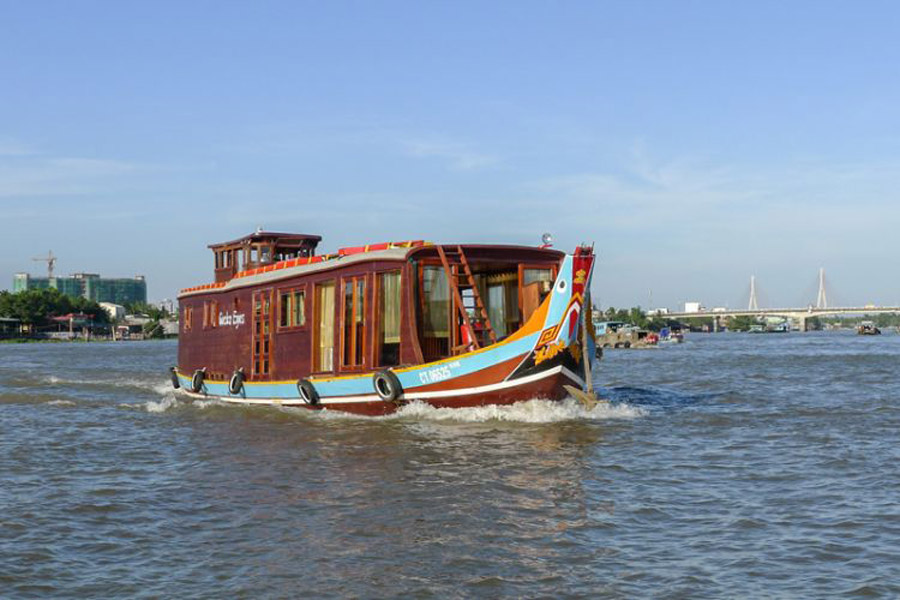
(732, 465)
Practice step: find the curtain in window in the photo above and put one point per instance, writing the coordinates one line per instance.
(532, 275)
(496, 306)
(437, 302)
(326, 327)
(390, 302)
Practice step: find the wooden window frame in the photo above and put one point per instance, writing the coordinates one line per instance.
(376, 320)
(314, 338)
(188, 317)
(365, 355)
(301, 289)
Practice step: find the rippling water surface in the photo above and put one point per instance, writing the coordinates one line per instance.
(729, 466)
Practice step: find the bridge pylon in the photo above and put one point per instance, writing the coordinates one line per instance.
(753, 304)
(821, 298)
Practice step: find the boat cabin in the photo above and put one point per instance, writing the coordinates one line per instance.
(260, 248)
(279, 311)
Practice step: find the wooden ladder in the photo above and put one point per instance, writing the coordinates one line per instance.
(453, 280)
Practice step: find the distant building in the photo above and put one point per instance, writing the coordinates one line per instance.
(692, 307)
(116, 312)
(87, 285)
(9, 326)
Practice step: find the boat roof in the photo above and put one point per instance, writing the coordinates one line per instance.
(280, 238)
(387, 251)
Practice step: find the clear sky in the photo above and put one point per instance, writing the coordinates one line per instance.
(696, 143)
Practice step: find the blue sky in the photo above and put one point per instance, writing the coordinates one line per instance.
(696, 143)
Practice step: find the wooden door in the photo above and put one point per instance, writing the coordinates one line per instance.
(262, 334)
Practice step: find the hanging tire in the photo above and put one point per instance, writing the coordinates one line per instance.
(197, 380)
(387, 386)
(173, 373)
(308, 392)
(236, 383)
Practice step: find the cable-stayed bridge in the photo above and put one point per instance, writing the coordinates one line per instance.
(800, 315)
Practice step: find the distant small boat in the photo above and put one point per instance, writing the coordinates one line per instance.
(778, 328)
(867, 328)
(667, 336)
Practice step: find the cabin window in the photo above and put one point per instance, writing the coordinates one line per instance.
(435, 313)
(354, 321)
(388, 319)
(265, 254)
(214, 314)
(502, 300)
(437, 302)
(292, 308)
(323, 336)
(188, 317)
(536, 275)
(536, 284)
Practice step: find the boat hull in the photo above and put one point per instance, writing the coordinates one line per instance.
(547, 385)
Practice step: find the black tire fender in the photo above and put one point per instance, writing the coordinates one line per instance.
(308, 392)
(197, 380)
(173, 374)
(236, 383)
(387, 385)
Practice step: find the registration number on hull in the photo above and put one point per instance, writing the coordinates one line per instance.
(437, 374)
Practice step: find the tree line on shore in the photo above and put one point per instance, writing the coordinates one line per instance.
(38, 307)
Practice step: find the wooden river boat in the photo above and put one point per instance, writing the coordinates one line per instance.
(369, 328)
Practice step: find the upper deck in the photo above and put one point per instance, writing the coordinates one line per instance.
(268, 256)
(259, 249)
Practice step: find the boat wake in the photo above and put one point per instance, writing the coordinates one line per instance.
(528, 411)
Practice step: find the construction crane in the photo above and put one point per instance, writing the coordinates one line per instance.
(50, 260)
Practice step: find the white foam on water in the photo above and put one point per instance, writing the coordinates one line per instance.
(528, 411)
(163, 389)
(169, 399)
(61, 403)
(163, 405)
(204, 404)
